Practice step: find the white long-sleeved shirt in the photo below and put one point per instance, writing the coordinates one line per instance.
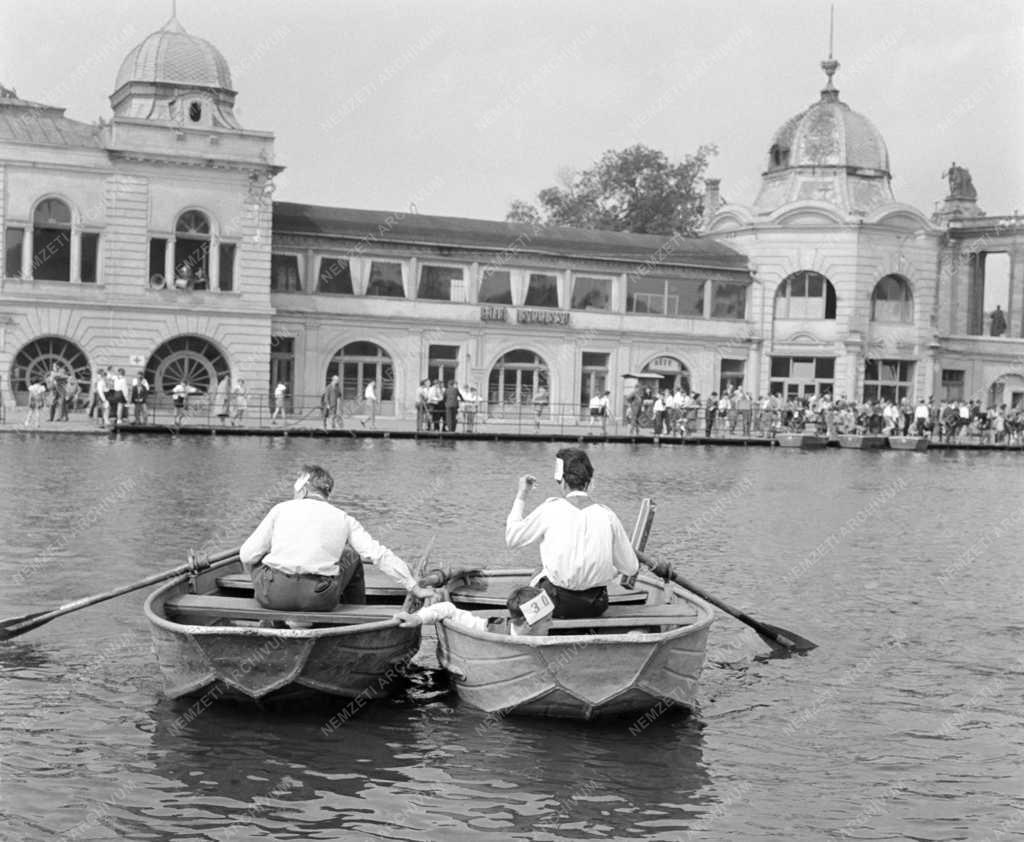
(308, 536)
(580, 548)
(466, 619)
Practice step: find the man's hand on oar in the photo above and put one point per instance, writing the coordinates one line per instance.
(14, 626)
(778, 637)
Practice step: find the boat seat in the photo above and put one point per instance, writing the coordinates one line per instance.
(623, 616)
(242, 582)
(246, 608)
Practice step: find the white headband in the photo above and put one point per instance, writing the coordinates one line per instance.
(300, 483)
(559, 469)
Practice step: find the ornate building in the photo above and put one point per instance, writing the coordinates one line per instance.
(150, 242)
(858, 293)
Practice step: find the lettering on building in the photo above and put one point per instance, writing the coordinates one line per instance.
(493, 313)
(542, 317)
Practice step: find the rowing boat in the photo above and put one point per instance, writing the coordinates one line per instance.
(861, 442)
(645, 652)
(212, 639)
(804, 441)
(918, 443)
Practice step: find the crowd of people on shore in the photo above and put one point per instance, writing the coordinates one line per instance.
(736, 412)
(114, 398)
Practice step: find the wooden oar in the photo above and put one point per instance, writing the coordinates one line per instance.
(14, 626)
(775, 635)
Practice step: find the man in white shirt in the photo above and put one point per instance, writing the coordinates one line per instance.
(370, 398)
(279, 392)
(295, 554)
(582, 543)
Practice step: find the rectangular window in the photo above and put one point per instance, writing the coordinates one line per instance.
(731, 375)
(684, 297)
(728, 300)
(543, 291)
(227, 267)
(495, 287)
(890, 380)
(665, 296)
(284, 273)
(441, 283)
(14, 239)
(645, 295)
(442, 362)
(595, 378)
(191, 263)
(592, 293)
(335, 277)
(282, 363)
(386, 280)
(795, 377)
(51, 258)
(90, 257)
(157, 254)
(952, 384)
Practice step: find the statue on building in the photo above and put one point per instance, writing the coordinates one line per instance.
(960, 184)
(997, 326)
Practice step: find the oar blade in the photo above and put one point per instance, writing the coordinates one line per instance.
(785, 639)
(19, 625)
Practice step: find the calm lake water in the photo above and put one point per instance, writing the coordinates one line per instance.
(905, 723)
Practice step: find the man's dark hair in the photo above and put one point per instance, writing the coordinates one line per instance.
(517, 598)
(319, 479)
(577, 472)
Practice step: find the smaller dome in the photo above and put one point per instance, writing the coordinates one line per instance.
(172, 56)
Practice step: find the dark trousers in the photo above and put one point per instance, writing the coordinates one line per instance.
(575, 605)
(436, 415)
(709, 422)
(451, 417)
(309, 592)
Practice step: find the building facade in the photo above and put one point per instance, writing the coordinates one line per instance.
(864, 296)
(151, 242)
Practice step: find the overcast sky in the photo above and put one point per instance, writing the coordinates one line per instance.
(460, 107)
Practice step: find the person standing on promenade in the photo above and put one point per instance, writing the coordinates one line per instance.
(279, 392)
(222, 399)
(422, 411)
(471, 402)
(295, 555)
(710, 413)
(139, 395)
(541, 399)
(239, 403)
(330, 403)
(370, 398)
(179, 396)
(36, 402)
(582, 543)
(452, 399)
(435, 404)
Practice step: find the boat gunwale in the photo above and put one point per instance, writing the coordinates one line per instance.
(158, 619)
(705, 616)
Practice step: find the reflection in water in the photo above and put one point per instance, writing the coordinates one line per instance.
(399, 768)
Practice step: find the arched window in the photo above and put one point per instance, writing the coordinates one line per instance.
(189, 359)
(359, 363)
(192, 250)
(54, 357)
(805, 295)
(51, 241)
(515, 378)
(891, 300)
(673, 372)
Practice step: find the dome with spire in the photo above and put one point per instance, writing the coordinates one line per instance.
(830, 153)
(172, 56)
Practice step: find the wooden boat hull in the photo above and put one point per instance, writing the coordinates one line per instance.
(804, 441)
(213, 660)
(579, 676)
(918, 443)
(856, 442)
